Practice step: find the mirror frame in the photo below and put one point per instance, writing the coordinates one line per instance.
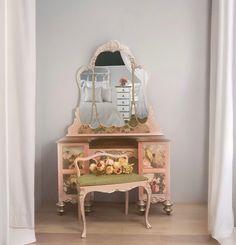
(110, 46)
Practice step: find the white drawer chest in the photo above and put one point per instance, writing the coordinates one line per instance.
(123, 98)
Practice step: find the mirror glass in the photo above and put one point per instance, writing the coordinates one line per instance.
(111, 95)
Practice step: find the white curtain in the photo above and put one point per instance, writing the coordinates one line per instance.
(220, 210)
(17, 121)
(142, 75)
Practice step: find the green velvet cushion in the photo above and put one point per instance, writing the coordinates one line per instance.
(88, 180)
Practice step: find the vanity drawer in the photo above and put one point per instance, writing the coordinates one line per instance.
(125, 114)
(123, 95)
(122, 89)
(122, 102)
(123, 108)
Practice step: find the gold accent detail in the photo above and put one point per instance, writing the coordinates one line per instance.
(168, 207)
(60, 208)
(141, 206)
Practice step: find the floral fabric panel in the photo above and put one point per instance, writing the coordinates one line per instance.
(69, 154)
(154, 156)
(70, 183)
(157, 182)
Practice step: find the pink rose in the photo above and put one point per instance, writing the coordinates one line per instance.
(100, 165)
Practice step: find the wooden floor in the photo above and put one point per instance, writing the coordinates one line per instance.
(108, 225)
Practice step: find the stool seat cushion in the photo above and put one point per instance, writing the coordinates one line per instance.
(92, 180)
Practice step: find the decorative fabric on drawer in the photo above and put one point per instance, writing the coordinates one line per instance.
(89, 180)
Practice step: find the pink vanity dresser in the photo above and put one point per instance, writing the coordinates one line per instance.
(113, 118)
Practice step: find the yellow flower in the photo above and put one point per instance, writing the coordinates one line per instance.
(122, 160)
(92, 167)
(128, 169)
(109, 169)
(73, 180)
(116, 165)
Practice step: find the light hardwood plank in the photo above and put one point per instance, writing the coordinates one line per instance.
(107, 224)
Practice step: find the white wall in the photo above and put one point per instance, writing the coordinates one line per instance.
(169, 38)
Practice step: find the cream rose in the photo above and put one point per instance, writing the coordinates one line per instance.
(109, 161)
(92, 167)
(109, 169)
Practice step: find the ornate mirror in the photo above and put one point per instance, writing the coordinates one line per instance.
(111, 94)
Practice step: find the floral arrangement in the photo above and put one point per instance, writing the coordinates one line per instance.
(107, 166)
(123, 81)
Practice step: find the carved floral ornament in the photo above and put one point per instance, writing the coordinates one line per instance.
(111, 46)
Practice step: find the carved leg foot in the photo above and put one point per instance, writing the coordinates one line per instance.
(149, 193)
(60, 208)
(167, 207)
(82, 211)
(141, 207)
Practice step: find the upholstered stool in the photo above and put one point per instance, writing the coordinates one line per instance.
(108, 183)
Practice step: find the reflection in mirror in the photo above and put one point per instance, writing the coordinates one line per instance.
(128, 103)
(112, 93)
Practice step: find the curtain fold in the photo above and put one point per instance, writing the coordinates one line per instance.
(17, 116)
(220, 211)
(143, 76)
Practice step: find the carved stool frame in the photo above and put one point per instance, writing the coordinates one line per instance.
(123, 187)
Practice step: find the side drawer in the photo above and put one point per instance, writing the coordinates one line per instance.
(123, 89)
(123, 95)
(122, 102)
(123, 108)
(125, 114)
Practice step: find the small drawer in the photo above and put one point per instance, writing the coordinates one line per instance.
(123, 108)
(123, 95)
(122, 89)
(125, 114)
(122, 102)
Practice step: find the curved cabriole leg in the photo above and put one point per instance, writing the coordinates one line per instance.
(149, 193)
(82, 212)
